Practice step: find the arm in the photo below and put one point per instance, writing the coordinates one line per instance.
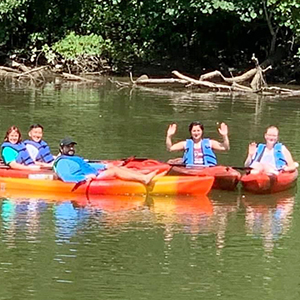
(291, 164)
(221, 146)
(17, 166)
(44, 165)
(100, 166)
(176, 147)
(10, 155)
(68, 172)
(251, 153)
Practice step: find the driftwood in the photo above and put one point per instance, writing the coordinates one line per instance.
(72, 77)
(7, 69)
(36, 75)
(144, 79)
(251, 81)
(26, 73)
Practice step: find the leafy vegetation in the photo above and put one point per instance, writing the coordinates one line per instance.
(208, 33)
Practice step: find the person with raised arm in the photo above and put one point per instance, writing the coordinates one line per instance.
(198, 151)
(271, 157)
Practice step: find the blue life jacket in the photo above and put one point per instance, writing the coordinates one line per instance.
(23, 155)
(279, 157)
(44, 154)
(85, 168)
(209, 157)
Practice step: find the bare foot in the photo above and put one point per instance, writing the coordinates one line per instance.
(161, 174)
(147, 178)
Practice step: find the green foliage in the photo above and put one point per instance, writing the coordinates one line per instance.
(131, 31)
(74, 45)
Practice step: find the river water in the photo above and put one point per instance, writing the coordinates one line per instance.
(227, 245)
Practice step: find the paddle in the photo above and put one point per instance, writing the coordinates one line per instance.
(203, 167)
(78, 184)
(124, 163)
(241, 168)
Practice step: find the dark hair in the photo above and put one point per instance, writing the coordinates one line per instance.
(195, 123)
(33, 126)
(10, 130)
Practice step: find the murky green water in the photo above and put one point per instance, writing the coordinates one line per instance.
(224, 246)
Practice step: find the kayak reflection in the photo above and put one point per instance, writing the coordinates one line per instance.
(218, 216)
(268, 216)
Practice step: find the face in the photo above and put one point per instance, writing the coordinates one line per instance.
(196, 132)
(36, 134)
(13, 137)
(68, 150)
(271, 136)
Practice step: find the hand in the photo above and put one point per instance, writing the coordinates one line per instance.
(171, 130)
(252, 149)
(111, 165)
(90, 177)
(34, 167)
(223, 129)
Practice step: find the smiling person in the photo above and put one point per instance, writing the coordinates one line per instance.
(198, 151)
(72, 168)
(37, 148)
(14, 152)
(270, 157)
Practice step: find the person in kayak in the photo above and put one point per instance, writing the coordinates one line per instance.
(37, 148)
(197, 150)
(270, 157)
(14, 152)
(72, 168)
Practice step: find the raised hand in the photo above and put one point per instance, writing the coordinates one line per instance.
(171, 130)
(252, 149)
(223, 129)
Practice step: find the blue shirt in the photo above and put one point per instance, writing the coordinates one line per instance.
(75, 169)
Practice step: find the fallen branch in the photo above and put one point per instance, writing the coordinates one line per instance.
(205, 84)
(72, 77)
(7, 69)
(144, 79)
(32, 71)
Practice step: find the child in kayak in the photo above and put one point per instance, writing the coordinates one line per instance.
(37, 148)
(270, 157)
(198, 151)
(14, 152)
(72, 168)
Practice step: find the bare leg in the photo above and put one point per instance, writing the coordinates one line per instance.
(263, 168)
(127, 174)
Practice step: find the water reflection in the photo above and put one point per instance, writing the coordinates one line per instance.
(268, 216)
(265, 217)
(68, 220)
(21, 215)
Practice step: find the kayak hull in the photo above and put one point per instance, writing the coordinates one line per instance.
(269, 183)
(46, 182)
(225, 178)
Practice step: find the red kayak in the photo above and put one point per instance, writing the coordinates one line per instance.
(269, 183)
(226, 178)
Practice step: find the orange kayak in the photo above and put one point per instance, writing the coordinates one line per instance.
(269, 183)
(226, 178)
(46, 182)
